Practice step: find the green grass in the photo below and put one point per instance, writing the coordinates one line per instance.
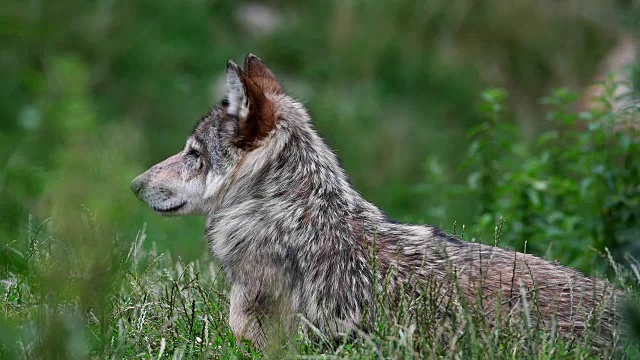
(70, 301)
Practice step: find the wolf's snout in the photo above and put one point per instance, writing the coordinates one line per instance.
(136, 185)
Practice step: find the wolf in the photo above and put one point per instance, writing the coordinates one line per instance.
(296, 240)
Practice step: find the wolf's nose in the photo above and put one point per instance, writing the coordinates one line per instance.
(136, 186)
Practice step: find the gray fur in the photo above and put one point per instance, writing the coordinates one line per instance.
(294, 237)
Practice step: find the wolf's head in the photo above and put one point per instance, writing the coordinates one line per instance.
(188, 182)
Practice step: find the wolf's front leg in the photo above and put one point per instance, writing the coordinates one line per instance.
(247, 315)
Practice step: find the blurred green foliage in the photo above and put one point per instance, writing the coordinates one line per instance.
(570, 194)
(93, 92)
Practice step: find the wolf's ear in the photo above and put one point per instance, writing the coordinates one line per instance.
(261, 75)
(236, 92)
(248, 104)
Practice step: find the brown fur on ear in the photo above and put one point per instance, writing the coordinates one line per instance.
(261, 118)
(261, 75)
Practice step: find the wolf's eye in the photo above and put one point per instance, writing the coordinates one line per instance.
(193, 152)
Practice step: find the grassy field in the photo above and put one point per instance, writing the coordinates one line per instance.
(138, 303)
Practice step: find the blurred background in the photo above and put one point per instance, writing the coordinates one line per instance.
(93, 92)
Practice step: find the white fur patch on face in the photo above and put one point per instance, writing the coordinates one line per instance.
(236, 94)
(212, 185)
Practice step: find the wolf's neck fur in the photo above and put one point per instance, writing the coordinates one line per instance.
(290, 192)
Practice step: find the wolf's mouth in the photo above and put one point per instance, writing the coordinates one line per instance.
(169, 209)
